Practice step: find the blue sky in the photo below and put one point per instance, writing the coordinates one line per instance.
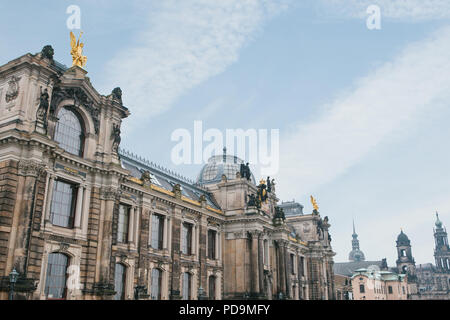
(363, 114)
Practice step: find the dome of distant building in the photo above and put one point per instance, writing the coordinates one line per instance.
(221, 165)
(356, 255)
(403, 239)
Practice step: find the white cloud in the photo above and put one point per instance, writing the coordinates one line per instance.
(185, 43)
(408, 10)
(388, 100)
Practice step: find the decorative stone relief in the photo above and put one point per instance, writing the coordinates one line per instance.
(80, 99)
(13, 89)
(108, 193)
(30, 168)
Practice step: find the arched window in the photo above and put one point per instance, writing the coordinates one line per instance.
(156, 284)
(212, 288)
(55, 284)
(120, 281)
(187, 286)
(69, 132)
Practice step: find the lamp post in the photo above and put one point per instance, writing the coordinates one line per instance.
(201, 293)
(12, 281)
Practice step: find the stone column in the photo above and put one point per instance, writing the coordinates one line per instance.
(108, 196)
(79, 206)
(44, 204)
(282, 267)
(21, 233)
(168, 235)
(261, 263)
(254, 263)
(131, 225)
(48, 204)
(136, 229)
(86, 202)
(175, 274)
(287, 271)
(217, 256)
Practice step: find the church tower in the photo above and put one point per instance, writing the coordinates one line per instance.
(441, 251)
(356, 254)
(405, 261)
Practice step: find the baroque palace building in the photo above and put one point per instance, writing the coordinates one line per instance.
(82, 219)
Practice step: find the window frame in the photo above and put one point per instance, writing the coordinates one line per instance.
(158, 284)
(73, 202)
(187, 279)
(159, 231)
(126, 232)
(82, 136)
(48, 272)
(212, 243)
(212, 287)
(187, 238)
(123, 281)
(362, 288)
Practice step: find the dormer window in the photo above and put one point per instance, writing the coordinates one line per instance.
(69, 132)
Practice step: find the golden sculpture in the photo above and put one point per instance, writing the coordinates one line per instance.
(77, 51)
(314, 203)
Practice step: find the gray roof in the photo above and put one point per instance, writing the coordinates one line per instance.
(348, 268)
(291, 208)
(165, 178)
(221, 165)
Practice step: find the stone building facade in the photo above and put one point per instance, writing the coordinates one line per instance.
(82, 219)
(381, 285)
(433, 281)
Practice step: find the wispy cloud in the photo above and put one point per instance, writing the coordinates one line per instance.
(407, 10)
(185, 43)
(345, 131)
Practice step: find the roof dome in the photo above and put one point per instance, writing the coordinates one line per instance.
(356, 255)
(221, 165)
(402, 239)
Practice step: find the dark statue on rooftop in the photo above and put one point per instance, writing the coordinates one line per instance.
(269, 185)
(47, 52)
(245, 171)
(117, 93)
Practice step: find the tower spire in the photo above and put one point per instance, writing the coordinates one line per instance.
(356, 254)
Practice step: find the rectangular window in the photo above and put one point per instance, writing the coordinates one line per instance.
(186, 286)
(361, 288)
(186, 240)
(156, 284)
(123, 224)
(301, 266)
(212, 244)
(157, 239)
(63, 205)
(390, 290)
(266, 252)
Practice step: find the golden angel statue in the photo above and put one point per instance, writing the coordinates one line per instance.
(77, 51)
(314, 203)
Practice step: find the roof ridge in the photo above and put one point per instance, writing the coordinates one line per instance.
(145, 162)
